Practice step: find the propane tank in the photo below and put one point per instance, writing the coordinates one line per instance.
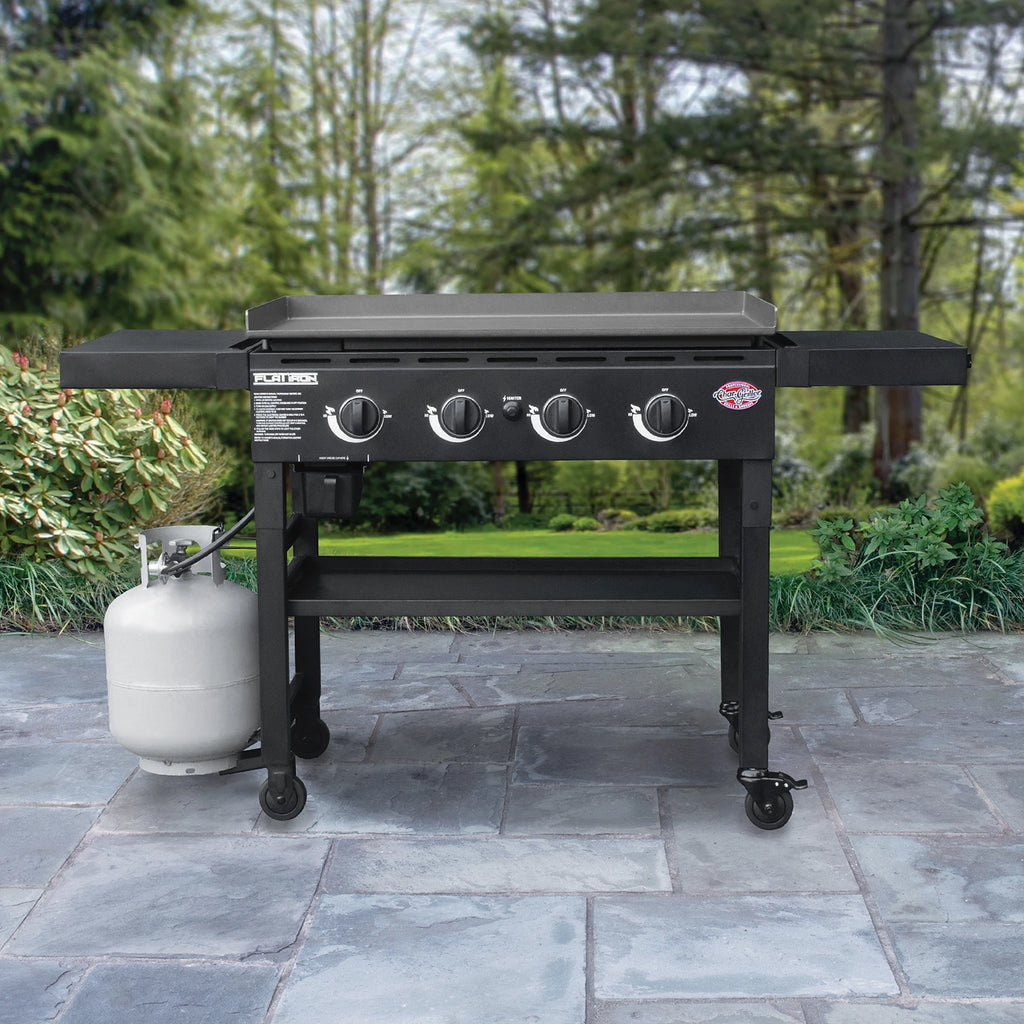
(182, 661)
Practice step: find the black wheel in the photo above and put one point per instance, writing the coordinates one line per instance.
(310, 740)
(734, 738)
(289, 806)
(771, 813)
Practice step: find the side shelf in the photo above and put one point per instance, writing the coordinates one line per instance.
(159, 359)
(352, 585)
(885, 358)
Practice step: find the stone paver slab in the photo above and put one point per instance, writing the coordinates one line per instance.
(971, 960)
(14, 905)
(944, 880)
(1004, 786)
(461, 799)
(459, 735)
(908, 798)
(825, 670)
(40, 669)
(613, 755)
(530, 686)
(698, 1013)
(64, 773)
(498, 865)
(172, 993)
(922, 1013)
(718, 851)
(972, 742)
(348, 645)
(943, 706)
(370, 693)
(671, 947)
(35, 841)
(440, 960)
(36, 991)
(581, 810)
(190, 896)
(581, 643)
(198, 804)
(27, 726)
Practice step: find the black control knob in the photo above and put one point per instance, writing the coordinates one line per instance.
(360, 417)
(462, 416)
(665, 416)
(563, 416)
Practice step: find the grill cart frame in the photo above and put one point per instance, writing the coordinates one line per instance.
(338, 382)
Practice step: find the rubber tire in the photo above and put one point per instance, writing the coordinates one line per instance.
(295, 800)
(734, 738)
(309, 743)
(781, 810)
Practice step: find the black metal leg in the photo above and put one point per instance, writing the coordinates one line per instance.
(755, 517)
(282, 796)
(729, 536)
(310, 735)
(769, 803)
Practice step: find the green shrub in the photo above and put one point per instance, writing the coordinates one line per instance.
(524, 521)
(675, 520)
(564, 521)
(1006, 507)
(586, 524)
(913, 566)
(82, 471)
(615, 516)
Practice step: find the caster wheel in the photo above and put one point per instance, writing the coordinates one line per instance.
(287, 808)
(734, 738)
(771, 813)
(310, 741)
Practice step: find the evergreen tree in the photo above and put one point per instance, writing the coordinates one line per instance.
(101, 182)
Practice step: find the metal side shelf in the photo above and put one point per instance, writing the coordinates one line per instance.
(357, 585)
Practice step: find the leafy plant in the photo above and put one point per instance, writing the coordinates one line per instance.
(674, 520)
(1006, 507)
(81, 471)
(561, 522)
(912, 566)
(586, 524)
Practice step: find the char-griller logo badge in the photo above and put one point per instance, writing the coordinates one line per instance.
(738, 394)
(283, 377)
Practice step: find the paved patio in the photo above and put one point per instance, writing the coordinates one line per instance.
(530, 827)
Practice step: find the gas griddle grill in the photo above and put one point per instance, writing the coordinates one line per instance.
(338, 382)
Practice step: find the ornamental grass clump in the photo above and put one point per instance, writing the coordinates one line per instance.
(915, 566)
(82, 470)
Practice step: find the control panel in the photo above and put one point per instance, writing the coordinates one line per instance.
(339, 409)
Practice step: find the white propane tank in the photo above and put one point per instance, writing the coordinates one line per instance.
(182, 661)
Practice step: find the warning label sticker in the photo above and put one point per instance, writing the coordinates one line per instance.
(278, 415)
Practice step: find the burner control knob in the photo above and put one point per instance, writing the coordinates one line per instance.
(360, 417)
(563, 416)
(665, 416)
(462, 416)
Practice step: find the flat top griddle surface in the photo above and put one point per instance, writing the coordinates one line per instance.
(633, 314)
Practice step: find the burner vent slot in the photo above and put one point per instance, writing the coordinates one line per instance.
(373, 360)
(443, 359)
(650, 359)
(305, 361)
(512, 359)
(719, 359)
(581, 360)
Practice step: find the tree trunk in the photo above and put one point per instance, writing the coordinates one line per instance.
(523, 493)
(898, 409)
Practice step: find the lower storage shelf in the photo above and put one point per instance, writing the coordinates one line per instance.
(356, 585)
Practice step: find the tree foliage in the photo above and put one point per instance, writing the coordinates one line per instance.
(80, 471)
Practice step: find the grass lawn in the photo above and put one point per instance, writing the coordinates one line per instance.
(791, 550)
